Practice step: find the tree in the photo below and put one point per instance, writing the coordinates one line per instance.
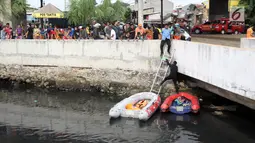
(14, 10)
(128, 15)
(19, 7)
(249, 6)
(105, 11)
(3, 8)
(119, 10)
(81, 11)
(108, 12)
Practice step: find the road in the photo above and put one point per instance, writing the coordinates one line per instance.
(218, 39)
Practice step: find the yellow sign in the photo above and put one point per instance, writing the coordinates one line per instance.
(48, 15)
(231, 3)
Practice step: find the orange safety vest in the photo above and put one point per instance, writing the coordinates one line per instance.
(249, 33)
(177, 37)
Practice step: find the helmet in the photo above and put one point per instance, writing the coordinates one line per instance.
(177, 25)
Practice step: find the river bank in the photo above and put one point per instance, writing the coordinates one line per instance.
(114, 82)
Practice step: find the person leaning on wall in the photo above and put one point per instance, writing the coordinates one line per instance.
(250, 32)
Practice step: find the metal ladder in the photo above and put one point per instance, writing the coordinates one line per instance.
(162, 68)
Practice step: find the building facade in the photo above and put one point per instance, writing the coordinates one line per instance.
(191, 14)
(225, 5)
(152, 9)
(231, 3)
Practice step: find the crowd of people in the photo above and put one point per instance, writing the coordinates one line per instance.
(111, 31)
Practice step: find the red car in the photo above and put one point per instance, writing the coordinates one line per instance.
(219, 26)
(206, 27)
(226, 26)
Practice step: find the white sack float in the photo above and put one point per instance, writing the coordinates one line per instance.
(140, 105)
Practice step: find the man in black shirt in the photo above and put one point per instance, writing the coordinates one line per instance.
(76, 33)
(173, 75)
(132, 32)
(1, 26)
(30, 31)
(155, 33)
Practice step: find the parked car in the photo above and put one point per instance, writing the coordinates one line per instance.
(227, 26)
(223, 26)
(206, 27)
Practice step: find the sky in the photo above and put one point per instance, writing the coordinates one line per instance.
(60, 3)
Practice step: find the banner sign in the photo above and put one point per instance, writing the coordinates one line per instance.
(148, 11)
(237, 14)
(48, 15)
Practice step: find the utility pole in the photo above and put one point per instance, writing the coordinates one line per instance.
(65, 6)
(140, 12)
(161, 15)
(41, 18)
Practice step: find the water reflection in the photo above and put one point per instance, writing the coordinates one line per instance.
(83, 117)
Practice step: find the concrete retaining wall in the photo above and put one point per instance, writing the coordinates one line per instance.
(97, 54)
(247, 43)
(229, 68)
(226, 67)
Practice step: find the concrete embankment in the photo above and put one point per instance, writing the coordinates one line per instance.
(122, 68)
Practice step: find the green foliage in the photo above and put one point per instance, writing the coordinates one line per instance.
(3, 8)
(105, 11)
(249, 10)
(127, 15)
(18, 7)
(119, 10)
(83, 11)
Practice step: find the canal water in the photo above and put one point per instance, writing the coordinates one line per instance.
(28, 116)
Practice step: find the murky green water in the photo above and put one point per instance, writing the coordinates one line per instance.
(70, 117)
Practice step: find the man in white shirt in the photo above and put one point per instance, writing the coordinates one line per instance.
(113, 34)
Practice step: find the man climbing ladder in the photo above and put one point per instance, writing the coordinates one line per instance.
(173, 75)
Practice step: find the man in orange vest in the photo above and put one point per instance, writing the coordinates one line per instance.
(250, 32)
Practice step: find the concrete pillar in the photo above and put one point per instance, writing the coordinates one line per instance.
(215, 12)
(140, 12)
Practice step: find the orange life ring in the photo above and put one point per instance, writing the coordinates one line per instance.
(131, 107)
(141, 104)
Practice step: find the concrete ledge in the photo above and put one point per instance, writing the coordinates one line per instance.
(227, 37)
(224, 93)
(247, 43)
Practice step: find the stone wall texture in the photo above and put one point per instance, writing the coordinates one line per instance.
(117, 82)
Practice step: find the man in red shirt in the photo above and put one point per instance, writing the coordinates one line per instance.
(8, 31)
